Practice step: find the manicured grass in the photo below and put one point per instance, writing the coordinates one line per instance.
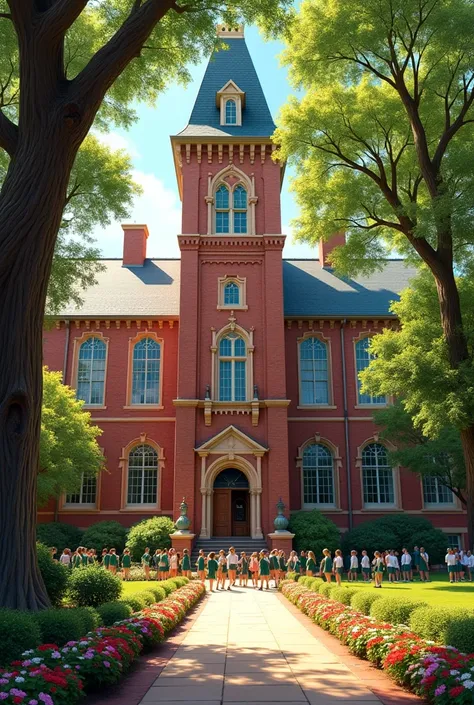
(136, 585)
(437, 592)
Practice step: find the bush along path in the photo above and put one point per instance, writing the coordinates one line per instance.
(439, 674)
(58, 675)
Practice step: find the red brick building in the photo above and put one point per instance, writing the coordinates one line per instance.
(230, 376)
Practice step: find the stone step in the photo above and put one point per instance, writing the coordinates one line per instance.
(240, 543)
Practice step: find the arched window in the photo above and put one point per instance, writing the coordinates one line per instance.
(87, 493)
(142, 487)
(314, 382)
(377, 476)
(232, 368)
(231, 294)
(230, 112)
(91, 371)
(435, 493)
(222, 210)
(146, 372)
(318, 476)
(240, 210)
(363, 357)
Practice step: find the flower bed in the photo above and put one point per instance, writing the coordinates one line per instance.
(440, 674)
(50, 675)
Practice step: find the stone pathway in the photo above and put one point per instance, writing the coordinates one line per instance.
(249, 647)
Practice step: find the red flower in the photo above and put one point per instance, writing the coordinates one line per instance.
(17, 699)
(47, 647)
(454, 692)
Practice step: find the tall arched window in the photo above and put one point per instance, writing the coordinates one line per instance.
(377, 476)
(91, 371)
(318, 476)
(142, 486)
(231, 209)
(232, 368)
(240, 210)
(146, 372)
(222, 210)
(363, 356)
(314, 372)
(230, 112)
(231, 294)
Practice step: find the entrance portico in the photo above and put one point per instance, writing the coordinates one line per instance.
(232, 449)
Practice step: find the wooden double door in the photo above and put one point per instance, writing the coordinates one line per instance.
(231, 515)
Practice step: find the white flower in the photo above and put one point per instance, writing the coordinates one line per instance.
(454, 673)
(468, 684)
(465, 676)
(37, 659)
(27, 653)
(19, 679)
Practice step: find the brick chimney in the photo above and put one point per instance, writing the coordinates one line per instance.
(134, 245)
(327, 246)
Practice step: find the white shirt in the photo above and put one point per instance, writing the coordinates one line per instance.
(451, 559)
(232, 561)
(446, 557)
(173, 560)
(406, 559)
(425, 557)
(471, 561)
(338, 562)
(365, 562)
(65, 559)
(354, 562)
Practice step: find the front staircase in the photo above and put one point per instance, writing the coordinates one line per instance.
(240, 543)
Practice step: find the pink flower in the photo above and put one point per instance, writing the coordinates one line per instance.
(107, 664)
(440, 690)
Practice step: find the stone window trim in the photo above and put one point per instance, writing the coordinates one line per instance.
(247, 336)
(77, 343)
(230, 91)
(358, 404)
(131, 345)
(213, 183)
(327, 343)
(397, 490)
(143, 439)
(337, 465)
(241, 283)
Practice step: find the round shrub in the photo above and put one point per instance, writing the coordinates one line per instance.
(92, 586)
(146, 595)
(393, 610)
(18, 632)
(154, 532)
(168, 586)
(314, 583)
(60, 625)
(431, 622)
(54, 574)
(459, 632)
(325, 589)
(370, 536)
(136, 603)
(90, 618)
(313, 532)
(363, 600)
(179, 581)
(105, 534)
(158, 593)
(59, 535)
(343, 594)
(111, 612)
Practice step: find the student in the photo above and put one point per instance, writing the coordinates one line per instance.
(303, 562)
(406, 566)
(114, 561)
(126, 564)
(105, 558)
(155, 563)
(232, 564)
(465, 566)
(470, 565)
(185, 564)
(77, 558)
(264, 570)
(91, 556)
(326, 564)
(274, 566)
(244, 570)
(146, 562)
(311, 564)
(293, 564)
(416, 559)
(65, 558)
(53, 550)
(164, 565)
(390, 561)
(338, 566)
(212, 566)
(365, 565)
(282, 566)
(84, 556)
(221, 570)
(201, 566)
(397, 566)
(424, 566)
(458, 565)
(253, 567)
(379, 569)
(353, 568)
(450, 560)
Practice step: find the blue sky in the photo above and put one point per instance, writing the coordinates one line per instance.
(149, 145)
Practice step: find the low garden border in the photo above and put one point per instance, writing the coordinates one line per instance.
(440, 674)
(54, 675)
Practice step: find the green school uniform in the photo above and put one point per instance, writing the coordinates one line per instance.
(244, 570)
(185, 563)
(114, 560)
(311, 565)
(76, 561)
(91, 560)
(146, 559)
(274, 565)
(327, 564)
(126, 560)
(303, 561)
(200, 563)
(84, 559)
(264, 566)
(106, 560)
(380, 566)
(211, 568)
(416, 558)
(164, 563)
(282, 564)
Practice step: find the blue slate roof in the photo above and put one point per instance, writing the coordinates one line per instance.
(233, 64)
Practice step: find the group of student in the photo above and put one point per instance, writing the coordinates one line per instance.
(460, 565)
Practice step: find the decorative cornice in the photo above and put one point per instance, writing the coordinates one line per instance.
(186, 402)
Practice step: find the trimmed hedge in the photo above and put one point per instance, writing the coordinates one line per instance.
(158, 592)
(431, 622)
(363, 600)
(394, 611)
(55, 575)
(459, 632)
(105, 534)
(111, 612)
(60, 625)
(146, 595)
(154, 532)
(343, 594)
(136, 603)
(90, 618)
(19, 632)
(92, 586)
(313, 531)
(59, 535)
(325, 589)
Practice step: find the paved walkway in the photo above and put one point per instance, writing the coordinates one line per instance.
(251, 647)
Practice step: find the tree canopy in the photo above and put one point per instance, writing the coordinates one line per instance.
(68, 445)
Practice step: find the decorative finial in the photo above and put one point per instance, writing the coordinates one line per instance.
(183, 522)
(281, 522)
(255, 391)
(208, 392)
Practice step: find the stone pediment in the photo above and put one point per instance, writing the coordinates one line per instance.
(230, 89)
(231, 441)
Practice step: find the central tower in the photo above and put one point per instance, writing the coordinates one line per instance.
(231, 415)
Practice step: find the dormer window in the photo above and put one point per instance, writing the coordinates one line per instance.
(231, 101)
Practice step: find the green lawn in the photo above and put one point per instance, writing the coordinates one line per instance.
(438, 592)
(137, 585)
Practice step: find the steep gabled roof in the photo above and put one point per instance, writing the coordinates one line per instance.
(233, 64)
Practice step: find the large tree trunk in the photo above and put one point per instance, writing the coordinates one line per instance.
(31, 205)
(467, 440)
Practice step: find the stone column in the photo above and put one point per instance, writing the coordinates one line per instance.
(258, 518)
(252, 513)
(204, 513)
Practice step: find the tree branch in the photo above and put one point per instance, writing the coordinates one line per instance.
(57, 20)
(8, 134)
(5, 16)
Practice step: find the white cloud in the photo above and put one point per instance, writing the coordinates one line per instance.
(115, 140)
(297, 250)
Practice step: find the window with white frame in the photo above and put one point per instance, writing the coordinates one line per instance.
(91, 371)
(230, 112)
(87, 493)
(363, 356)
(231, 294)
(318, 476)
(146, 372)
(232, 368)
(435, 493)
(314, 372)
(377, 477)
(230, 205)
(142, 485)
(454, 541)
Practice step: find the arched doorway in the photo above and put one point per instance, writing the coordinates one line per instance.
(231, 506)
